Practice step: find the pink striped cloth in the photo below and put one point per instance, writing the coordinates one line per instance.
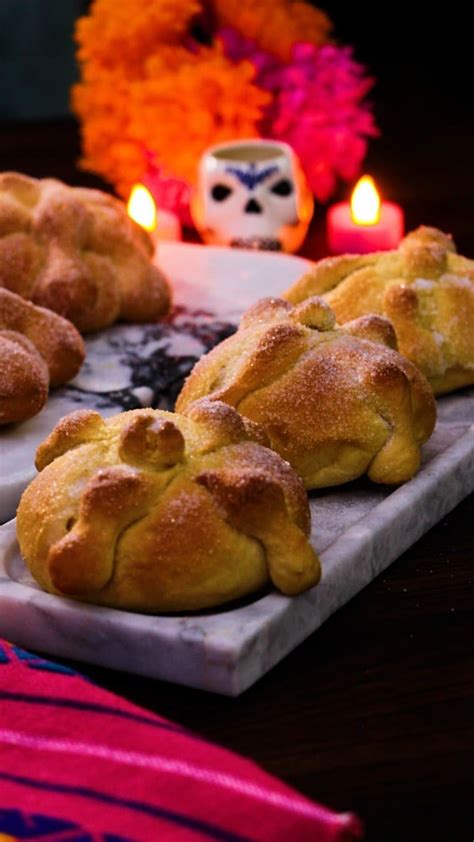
(79, 764)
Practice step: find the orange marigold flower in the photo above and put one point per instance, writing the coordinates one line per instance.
(205, 100)
(276, 25)
(151, 91)
(126, 33)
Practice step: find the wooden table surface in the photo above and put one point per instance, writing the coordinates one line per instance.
(374, 712)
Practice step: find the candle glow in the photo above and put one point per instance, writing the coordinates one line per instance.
(365, 224)
(365, 202)
(141, 207)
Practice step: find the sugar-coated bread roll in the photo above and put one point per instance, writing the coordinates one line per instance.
(55, 338)
(152, 511)
(38, 348)
(24, 378)
(77, 252)
(335, 402)
(426, 290)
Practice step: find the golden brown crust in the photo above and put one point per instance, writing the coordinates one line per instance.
(375, 328)
(23, 378)
(154, 441)
(426, 290)
(56, 339)
(79, 427)
(256, 505)
(154, 511)
(315, 313)
(75, 251)
(83, 561)
(39, 348)
(327, 274)
(334, 402)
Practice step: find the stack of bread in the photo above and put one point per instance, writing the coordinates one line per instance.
(155, 511)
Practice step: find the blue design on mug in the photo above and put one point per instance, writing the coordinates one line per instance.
(251, 176)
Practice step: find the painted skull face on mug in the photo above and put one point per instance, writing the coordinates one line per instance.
(252, 194)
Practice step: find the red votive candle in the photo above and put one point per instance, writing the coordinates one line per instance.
(160, 224)
(365, 223)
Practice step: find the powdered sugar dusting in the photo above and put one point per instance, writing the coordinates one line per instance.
(422, 284)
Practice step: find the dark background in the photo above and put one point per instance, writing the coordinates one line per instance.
(420, 54)
(37, 65)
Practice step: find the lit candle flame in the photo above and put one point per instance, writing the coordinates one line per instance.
(365, 202)
(141, 207)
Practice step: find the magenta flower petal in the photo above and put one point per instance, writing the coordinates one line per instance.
(318, 106)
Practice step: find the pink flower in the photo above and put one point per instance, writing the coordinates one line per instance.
(170, 193)
(317, 107)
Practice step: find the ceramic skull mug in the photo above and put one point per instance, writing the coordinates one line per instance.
(252, 194)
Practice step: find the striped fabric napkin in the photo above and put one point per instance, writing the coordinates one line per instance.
(79, 764)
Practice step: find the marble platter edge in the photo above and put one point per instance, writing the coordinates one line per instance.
(227, 651)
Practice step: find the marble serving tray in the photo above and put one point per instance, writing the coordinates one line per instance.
(128, 366)
(358, 529)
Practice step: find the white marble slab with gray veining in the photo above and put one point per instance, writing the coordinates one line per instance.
(358, 529)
